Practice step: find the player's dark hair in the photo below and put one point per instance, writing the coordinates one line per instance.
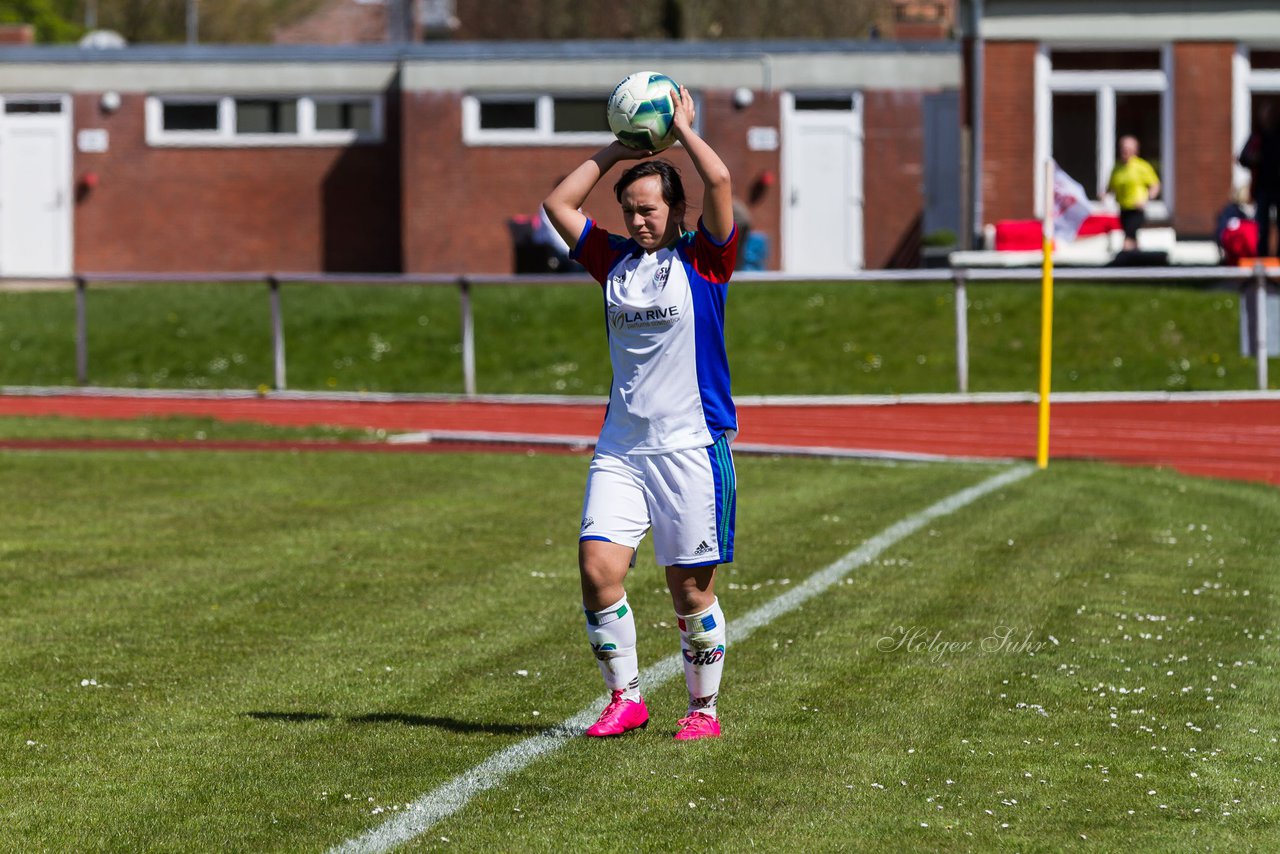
(672, 188)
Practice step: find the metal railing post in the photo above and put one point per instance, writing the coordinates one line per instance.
(82, 331)
(468, 338)
(962, 330)
(277, 333)
(1260, 321)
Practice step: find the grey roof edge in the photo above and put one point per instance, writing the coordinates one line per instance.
(466, 51)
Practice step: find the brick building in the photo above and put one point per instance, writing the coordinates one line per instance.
(378, 158)
(1066, 80)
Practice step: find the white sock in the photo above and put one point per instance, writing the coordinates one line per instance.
(612, 633)
(702, 640)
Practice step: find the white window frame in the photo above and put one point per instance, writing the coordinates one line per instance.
(1105, 85)
(542, 133)
(1245, 81)
(225, 136)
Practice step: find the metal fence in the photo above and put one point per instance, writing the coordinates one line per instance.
(1255, 280)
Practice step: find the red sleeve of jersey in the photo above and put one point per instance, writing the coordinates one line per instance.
(595, 251)
(712, 260)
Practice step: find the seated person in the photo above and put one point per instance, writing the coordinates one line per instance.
(1237, 232)
(557, 250)
(546, 236)
(753, 247)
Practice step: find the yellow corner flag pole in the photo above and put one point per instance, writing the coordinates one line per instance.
(1046, 322)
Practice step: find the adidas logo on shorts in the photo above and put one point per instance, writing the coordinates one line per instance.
(702, 549)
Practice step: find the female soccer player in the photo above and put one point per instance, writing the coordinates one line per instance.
(662, 461)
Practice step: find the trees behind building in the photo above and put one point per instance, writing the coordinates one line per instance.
(248, 21)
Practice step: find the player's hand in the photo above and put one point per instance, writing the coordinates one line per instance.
(685, 112)
(617, 152)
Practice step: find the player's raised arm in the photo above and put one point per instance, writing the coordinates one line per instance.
(564, 203)
(717, 197)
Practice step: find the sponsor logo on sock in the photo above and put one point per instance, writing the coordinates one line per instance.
(603, 650)
(702, 549)
(698, 704)
(704, 656)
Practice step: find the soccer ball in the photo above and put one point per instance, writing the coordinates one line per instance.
(641, 109)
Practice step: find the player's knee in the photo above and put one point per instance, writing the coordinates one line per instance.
(600, 587)
(600, 557)
(603, 571)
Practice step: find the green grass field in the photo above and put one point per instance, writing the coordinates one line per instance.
(175, 428)
(783, 338)
(277, 651)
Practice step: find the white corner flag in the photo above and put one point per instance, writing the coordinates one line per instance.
(1070, 205)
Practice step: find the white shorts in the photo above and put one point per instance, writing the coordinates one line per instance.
(688, 498)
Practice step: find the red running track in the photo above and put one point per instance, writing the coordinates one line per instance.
(1238, 439)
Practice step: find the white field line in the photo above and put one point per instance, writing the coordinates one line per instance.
(582, 442)
(860, 453)
(442, 802)
(429, 436)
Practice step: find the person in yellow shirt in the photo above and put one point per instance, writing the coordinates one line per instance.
(1133, 182)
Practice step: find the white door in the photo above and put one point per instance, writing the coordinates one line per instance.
(822, 184)
(35, 187)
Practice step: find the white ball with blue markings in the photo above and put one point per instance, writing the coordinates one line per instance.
(641, 111)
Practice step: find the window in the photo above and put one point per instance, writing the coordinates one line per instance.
(1138, 115)
(264, 120)
(535, 119)
(1108, 60)
(257, 115)
(1093, 98)
(508, 115)
(580, 115)
(182, 117)
(1264, 60)
(345, 114)
(1075, 137)
(14, 106)
(822, 103)
(1256, 90)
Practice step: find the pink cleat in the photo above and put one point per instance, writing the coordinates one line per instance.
(698, 725)
(619, 717)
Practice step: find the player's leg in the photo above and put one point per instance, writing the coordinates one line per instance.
(613, 522)
(611, 626)
(1264, 200)
(702, 644)
(693, 497)
(1131, 220)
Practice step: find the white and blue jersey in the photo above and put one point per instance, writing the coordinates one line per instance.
(665, 319)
